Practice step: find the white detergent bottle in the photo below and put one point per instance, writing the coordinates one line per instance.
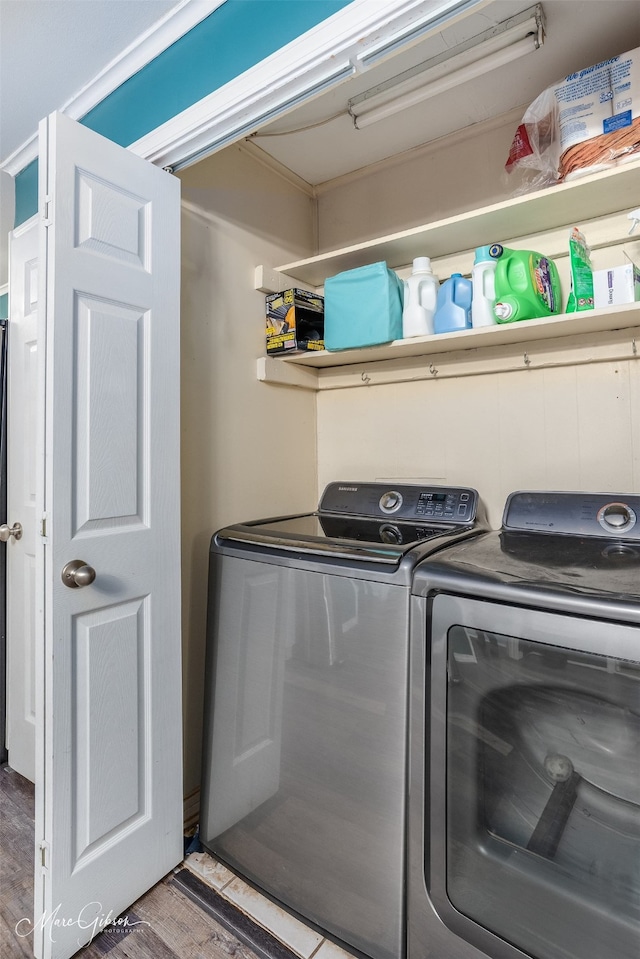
(420, 296)
(484, 285)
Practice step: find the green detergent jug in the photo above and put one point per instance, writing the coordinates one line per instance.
(527, 285)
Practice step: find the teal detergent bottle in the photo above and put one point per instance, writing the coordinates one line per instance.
(526, 283)
(453, 310)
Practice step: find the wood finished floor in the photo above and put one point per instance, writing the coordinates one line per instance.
(178, 928)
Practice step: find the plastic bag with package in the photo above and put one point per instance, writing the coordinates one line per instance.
(589, 121)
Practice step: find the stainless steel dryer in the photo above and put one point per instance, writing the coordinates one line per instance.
(304, 784)
(525, 764)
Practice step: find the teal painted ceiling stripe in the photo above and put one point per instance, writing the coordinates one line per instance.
(232, 39)
(26, 193)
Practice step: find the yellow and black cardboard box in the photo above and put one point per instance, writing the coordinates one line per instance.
(295, 321)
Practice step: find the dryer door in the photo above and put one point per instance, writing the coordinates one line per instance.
(535, 772)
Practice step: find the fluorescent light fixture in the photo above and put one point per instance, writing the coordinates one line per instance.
(502, 44)
(436, 18)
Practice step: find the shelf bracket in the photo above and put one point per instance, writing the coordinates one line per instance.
(271, 369)
(634, 216)
(266, 280)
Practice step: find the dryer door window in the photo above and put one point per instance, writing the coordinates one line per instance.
(541, 748)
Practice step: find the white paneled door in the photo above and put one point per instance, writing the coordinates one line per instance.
(21, 499)
(108, 710)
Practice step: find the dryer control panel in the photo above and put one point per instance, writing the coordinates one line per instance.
(610, 515)
(402, 501)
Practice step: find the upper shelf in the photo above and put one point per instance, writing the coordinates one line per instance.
(600, 194)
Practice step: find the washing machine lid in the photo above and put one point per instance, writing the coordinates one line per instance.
(333, 535)
(371, 522)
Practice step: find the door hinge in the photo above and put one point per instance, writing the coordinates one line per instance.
(47, 212)
(43, 526)
(44, 854)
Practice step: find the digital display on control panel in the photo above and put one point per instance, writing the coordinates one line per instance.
(450, 504)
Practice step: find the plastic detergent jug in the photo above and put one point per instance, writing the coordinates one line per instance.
(420, 294)
(527, 285)
(454, 305)
(483, 279)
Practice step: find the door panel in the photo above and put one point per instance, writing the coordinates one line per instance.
(534, 807)
(111, 413)
(110, 822)
(21, 498)
(112, 657)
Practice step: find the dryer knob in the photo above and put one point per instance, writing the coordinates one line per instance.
(616, 517)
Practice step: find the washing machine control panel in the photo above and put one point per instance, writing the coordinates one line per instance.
(455, 505)
(579, 514)
(403, 501)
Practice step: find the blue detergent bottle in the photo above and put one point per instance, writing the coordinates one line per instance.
(453, 311)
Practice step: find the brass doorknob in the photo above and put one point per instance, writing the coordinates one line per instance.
(6, 532)
(76, 574)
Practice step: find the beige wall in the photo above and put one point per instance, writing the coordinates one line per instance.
(567, 428)
(448, 176)
(248, 449)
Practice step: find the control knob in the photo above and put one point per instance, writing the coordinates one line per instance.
(390, 535)
(616, 517)
(391, 501)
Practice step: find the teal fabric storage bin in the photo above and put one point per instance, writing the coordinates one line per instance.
(362, 307)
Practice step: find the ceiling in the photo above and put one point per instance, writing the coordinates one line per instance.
(579, 33)
(49, 50)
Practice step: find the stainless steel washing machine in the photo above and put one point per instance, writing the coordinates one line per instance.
(525, 737)
(304, 784)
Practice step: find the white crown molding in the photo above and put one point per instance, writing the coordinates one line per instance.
(334, 50)
(133, 58)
